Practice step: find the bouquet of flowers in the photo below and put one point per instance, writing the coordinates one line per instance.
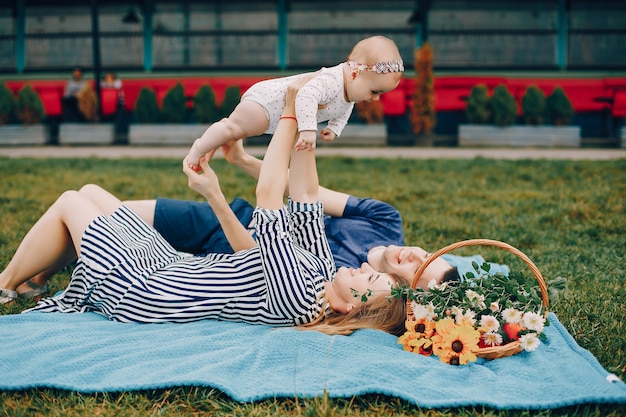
(456, 321)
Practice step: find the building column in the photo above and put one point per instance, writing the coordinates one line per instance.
(20, 36)
(562, 35)
(282, 47)
(148, 10)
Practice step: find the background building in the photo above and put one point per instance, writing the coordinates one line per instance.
(193, 35)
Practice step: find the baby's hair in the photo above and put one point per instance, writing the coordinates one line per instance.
(374, 49)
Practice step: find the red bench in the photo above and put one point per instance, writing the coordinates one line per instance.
(451, 91)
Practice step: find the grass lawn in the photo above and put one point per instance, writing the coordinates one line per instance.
(569, 217)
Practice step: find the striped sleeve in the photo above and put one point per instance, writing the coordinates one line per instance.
(308, 230)
(291, 291)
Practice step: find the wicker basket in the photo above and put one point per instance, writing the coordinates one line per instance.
(496, 351)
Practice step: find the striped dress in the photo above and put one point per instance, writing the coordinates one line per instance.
(127, 272)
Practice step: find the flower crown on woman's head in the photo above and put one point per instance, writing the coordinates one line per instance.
(382, 67)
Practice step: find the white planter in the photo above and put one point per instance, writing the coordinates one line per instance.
(23, 135)
(165, 134)
(542, 136)
(358, 134)
(86, 134)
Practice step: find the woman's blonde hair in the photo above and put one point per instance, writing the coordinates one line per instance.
(383, 313)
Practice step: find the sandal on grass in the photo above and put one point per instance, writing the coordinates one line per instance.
(37, 290)
(7, 296)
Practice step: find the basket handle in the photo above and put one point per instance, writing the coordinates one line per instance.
(487, 242)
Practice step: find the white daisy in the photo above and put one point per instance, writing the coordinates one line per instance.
(456, 311)
(512, 316)
(494, 306)
(490, 323)
(467, 318)
(471, 294)
(419, 311)
(492, 339)
(534, 321)
(529, 342)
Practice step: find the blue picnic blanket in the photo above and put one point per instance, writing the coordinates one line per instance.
(87, 353)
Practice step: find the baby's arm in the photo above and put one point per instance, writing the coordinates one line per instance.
(306, 140)
(327, 135)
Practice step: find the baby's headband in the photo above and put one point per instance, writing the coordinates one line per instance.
(380, 67)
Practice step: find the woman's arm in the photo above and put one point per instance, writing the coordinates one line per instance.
(207, 184)
(274, 174)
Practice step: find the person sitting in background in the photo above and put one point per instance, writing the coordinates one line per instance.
(69, 103)
(112, 81)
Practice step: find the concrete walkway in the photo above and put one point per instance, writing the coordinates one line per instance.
(357, 152)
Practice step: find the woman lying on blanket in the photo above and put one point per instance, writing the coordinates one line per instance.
(127, 272)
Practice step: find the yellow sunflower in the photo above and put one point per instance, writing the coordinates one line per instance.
(457, 346)
(422, 326)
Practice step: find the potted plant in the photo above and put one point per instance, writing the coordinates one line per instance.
(232, 97)
(204, 106)
(478, 110)
(7, 105)
(166, 126)
(503, 114)
(90, 132)
(147, 108)
(533, 106)
(503, 106)
(559, 109)
(21, 118)
(174, 105)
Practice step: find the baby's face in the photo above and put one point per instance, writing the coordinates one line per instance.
(368, 86)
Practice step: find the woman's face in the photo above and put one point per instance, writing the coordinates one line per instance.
(404, 261)
(351, 285)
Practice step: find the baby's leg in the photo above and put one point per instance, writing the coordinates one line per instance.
(248, 119)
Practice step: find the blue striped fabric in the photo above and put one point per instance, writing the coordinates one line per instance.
(127, 272)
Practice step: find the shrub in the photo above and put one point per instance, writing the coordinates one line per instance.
(29, 108)
(88, 103)
(423, 116)
(232, 97)
(559, 109)
(7, 105)
(478, 109)
(503, 106)
(147, 108)
(204, 105)
(370, 111)
(175, 105)
(533, 105)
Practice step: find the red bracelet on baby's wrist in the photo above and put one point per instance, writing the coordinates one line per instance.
(288, 117)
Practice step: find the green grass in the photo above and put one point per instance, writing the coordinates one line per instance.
(569, 217)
